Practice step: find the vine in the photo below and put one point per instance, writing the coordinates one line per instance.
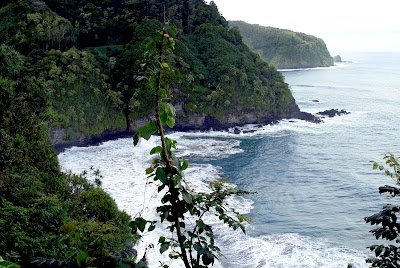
(193, 243)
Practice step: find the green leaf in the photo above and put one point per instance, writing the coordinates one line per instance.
(185, 164)
(163, 117)
(169, 109)
(157, 149)
(145, 132)
(161, 92)
(375, 166)
(161, 239)
(150, 45)
(379, 250)
(187, 197)
(138, 223)
(164, 247)
(149, 170)
(170, 122)
(197, 246)
(165, 64)
(151, 227)
(81, 257)
(201, 224)
(160, 175)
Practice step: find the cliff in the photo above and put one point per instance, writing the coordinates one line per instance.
(284, 49)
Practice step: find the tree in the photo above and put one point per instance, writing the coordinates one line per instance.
(387, 256)
(192, 243)
(129, 93)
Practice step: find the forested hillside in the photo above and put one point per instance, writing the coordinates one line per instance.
(86, 56)
(71, 69)
(44, 212)
(285, 49)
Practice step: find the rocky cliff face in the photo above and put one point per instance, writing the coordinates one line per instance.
(206, 122)
(194, 122)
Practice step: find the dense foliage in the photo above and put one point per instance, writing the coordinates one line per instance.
(41, 208)
(285, 49)
(86, 56)
(387, 226)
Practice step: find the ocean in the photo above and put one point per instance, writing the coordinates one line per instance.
(314, 182)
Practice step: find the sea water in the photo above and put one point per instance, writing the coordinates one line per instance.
(314, 182)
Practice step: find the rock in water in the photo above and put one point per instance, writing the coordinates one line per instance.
(333, 112)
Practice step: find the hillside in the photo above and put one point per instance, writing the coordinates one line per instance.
(69, 72)
(284, 49)
(86, 56)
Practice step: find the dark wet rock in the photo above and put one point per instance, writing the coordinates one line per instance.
(315, 100)
(333, 112)
(249, 131)
(236, 130)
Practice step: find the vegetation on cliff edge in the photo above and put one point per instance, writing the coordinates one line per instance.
(284, 49)
(86, 56)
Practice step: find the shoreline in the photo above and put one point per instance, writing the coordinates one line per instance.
(93, 140)
(118, 134)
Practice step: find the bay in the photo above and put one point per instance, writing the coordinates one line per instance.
(315, 183)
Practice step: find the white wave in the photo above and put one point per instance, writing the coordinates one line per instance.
(123, 167)
(285, 251)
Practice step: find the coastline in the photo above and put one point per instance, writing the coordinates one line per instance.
(202, 124)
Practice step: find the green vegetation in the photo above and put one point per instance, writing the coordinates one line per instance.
(386, 220)
(191, 240)
(86, 56)
(284, 49)
(73, 69)
(41, 208)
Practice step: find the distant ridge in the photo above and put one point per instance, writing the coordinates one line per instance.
(284, 49)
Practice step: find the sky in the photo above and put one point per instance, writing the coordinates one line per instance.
(344, 25)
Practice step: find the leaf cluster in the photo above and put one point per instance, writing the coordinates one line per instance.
(386, 220)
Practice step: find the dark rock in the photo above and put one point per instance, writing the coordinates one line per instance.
(236, 130)
(315, 100)
(93, 140)
(308, 117)
(249, 131)
(333, 112)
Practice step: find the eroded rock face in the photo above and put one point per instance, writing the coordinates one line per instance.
(194, 122)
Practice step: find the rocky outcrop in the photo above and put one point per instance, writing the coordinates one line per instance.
(332, 113)
(337, 58)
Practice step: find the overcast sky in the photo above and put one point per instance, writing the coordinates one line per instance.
(344, 25)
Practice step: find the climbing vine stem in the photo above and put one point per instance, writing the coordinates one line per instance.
(191, 241)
